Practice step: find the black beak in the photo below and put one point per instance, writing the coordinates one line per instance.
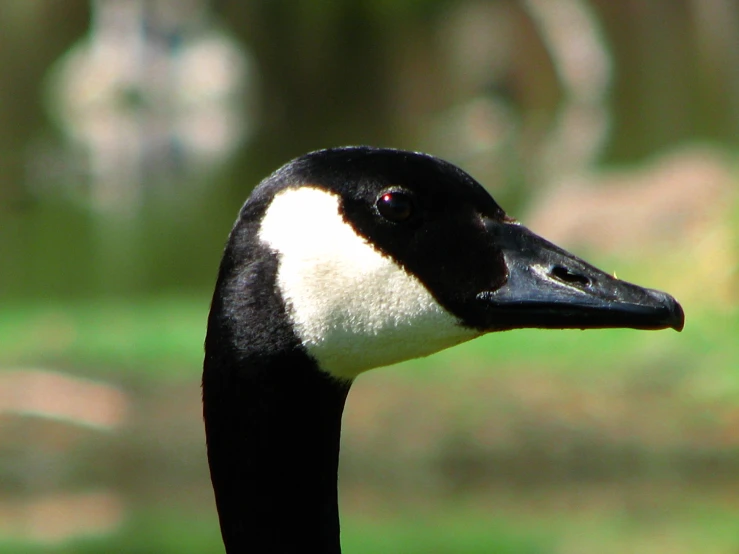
(548, 287)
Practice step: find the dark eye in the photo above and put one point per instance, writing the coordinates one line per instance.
(395, 206)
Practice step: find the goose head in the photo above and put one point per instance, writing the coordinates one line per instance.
(354, 258)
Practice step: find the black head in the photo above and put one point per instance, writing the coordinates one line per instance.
(353, 258)
(371, 242)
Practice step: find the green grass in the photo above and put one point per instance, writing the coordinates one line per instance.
(162, 338)
(441, 535)
(165, 534)
(445, 530)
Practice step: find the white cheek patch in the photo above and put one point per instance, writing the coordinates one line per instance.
(352, 307)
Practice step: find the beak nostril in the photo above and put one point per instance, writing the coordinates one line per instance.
(567, 276)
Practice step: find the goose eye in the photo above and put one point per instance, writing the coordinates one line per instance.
(395, 206)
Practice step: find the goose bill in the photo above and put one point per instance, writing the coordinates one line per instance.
(547, 287)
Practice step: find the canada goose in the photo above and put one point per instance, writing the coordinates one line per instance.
(348, 259)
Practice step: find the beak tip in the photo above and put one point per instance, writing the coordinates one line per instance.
(675, 317)
(678, 317)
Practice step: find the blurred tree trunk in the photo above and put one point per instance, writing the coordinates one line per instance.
(33, 34)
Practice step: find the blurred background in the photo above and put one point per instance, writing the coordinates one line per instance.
(132, 130)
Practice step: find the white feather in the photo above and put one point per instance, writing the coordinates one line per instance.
(352, 307)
